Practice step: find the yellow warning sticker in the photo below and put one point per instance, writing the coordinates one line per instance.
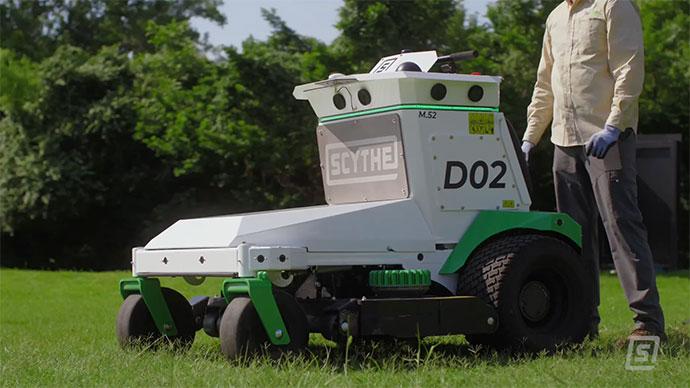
(508, 203)
(481, 123)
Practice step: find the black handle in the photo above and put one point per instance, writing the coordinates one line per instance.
(456, 57)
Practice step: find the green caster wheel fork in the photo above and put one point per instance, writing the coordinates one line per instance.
(260, 291)
(150, 290)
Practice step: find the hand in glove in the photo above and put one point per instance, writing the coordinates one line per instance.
(526, 148)
(600, 143)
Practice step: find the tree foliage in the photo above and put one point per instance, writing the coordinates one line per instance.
(18, 83)
(115, 122)
(70, 156)
(35, 28)
(371, 30)
(667, 64)
(233, 126)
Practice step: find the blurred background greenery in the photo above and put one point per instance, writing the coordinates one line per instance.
(116, 119)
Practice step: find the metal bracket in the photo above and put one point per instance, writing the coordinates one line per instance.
(150, 290)
(260, 291)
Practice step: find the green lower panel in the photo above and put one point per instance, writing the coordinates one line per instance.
(491, 223)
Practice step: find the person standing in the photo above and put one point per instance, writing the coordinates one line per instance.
(589, 80)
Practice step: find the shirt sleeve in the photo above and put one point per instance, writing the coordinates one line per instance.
(626, 62)
(540, 110)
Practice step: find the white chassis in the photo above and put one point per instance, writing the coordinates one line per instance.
(416, 229)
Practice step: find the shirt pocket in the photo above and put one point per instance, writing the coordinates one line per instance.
(592, 34)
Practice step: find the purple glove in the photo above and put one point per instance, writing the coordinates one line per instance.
(600, 143)
(526, 148)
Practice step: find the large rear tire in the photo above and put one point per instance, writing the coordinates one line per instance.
(538, 285)
(135, 325)
(242, 333)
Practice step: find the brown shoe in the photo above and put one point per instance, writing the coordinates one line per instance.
(640, 332)
(647, 333)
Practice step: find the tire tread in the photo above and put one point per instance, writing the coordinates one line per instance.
(488, 272)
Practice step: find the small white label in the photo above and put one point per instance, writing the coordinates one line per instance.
(424, 59)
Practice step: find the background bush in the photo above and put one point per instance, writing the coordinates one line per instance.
(117, 118)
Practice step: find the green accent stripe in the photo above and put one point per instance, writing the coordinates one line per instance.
(408, 107)
(489, 223)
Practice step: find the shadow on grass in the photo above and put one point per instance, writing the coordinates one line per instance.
(435, 352)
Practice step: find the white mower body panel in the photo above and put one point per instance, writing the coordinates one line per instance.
(360, 227)
(405, 174)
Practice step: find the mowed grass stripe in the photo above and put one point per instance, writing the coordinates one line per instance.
(58, 329)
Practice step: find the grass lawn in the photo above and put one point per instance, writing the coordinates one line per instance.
(58, 329)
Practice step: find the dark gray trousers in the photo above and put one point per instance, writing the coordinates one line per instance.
(587, 187)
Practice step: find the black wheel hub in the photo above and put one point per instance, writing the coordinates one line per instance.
(535, 300)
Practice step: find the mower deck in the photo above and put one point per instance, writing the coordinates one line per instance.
(402, 317)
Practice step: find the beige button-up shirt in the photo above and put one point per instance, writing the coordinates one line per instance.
(590, 73)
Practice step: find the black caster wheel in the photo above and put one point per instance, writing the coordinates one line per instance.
(135, 326)
(241, 331)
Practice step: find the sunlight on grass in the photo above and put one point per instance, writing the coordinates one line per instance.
(58, 329)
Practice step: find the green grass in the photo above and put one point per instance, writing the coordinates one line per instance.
(58, 329)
